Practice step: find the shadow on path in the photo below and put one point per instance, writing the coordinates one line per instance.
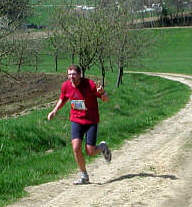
(129, 176)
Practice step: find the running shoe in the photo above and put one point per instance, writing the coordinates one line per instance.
(106, 151)
(82, 180)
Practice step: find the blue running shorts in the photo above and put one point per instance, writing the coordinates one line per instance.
(89, 130)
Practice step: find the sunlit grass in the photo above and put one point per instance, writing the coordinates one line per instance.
(42, 10)
(174, 53)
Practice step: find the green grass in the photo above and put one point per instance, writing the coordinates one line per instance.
(140, 103)
(45, 9)
(174, 53)
(63, 2)
(41, 15)
(46, 63)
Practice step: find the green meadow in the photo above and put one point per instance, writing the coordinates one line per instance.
(34, 150)
(174, 53)
(42, 10)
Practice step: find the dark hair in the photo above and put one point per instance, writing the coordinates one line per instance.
(74, 67)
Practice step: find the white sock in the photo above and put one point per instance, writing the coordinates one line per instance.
(84, 174)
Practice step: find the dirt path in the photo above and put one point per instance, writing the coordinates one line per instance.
(153, 170)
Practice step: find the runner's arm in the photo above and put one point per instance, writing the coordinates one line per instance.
(58, 106)
(104, 96)
(103, 93)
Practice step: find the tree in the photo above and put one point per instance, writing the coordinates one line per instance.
(12, 13)
(22, 50)
(15, 10)
(173, 12)
(55, 43)
(102, 35)
(128, 44)
(35, 49)
(82, 33)
(106, 3)
(5, 50)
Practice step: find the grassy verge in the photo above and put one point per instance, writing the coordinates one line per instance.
(34, 151)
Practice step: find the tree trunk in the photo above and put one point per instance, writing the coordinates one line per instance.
(111, 65)
(36, 62)
(19, 64)
(83, 71)
(120, 76)
(102, 70)
(56, 62)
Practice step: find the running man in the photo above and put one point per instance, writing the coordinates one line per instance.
(84, 117)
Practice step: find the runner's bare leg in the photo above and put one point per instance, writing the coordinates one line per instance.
(77, 150)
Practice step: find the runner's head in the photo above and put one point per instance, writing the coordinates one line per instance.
(74, 67)
(74, 74)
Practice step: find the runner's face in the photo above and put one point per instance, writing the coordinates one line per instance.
(74, 77)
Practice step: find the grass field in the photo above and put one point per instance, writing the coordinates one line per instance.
(62, 2)
(44, 9)
(29, 142)
(174, 53)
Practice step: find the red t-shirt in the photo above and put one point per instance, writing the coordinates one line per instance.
(84, 105)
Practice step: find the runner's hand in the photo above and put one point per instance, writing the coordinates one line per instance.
(100, 88)
(51, 115)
